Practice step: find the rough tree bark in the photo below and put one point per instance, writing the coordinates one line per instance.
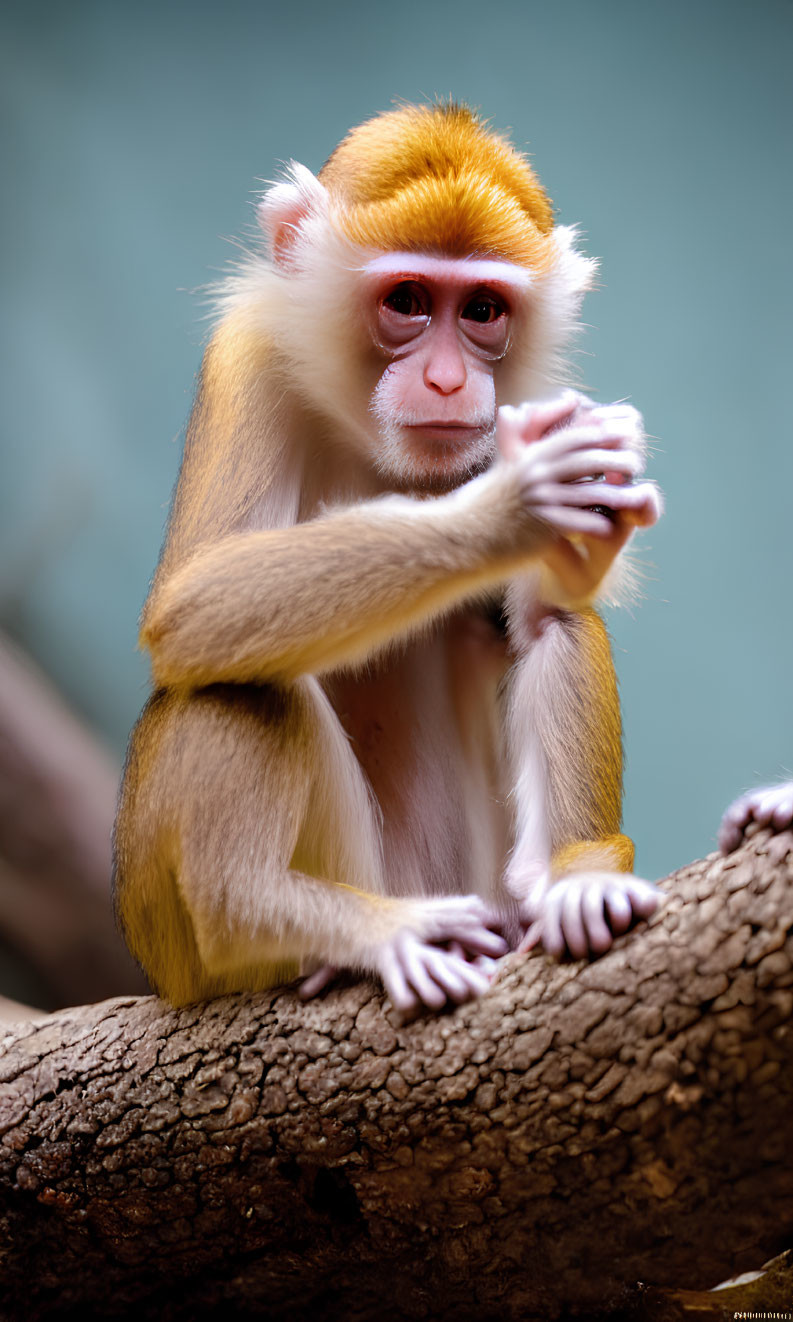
(582, 1127)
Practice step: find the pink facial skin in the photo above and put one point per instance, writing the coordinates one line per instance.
(442, 323)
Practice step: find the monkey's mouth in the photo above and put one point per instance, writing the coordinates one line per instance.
(449, 432)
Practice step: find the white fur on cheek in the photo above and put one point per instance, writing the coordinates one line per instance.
(412, 461)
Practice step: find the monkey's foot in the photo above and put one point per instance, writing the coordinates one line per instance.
(583, 913)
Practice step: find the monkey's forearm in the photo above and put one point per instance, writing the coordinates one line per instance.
(291, 917)
(295, 917)
(272, 605)
(565, 729)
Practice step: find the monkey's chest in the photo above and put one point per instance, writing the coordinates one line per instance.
(426, 727)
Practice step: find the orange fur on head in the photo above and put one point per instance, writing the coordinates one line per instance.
(426, 178)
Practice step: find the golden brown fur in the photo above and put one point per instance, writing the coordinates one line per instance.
(426, 177)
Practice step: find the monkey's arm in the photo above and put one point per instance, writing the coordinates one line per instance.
(272, 605)
(566, 736)
(289, 917)
(567, 751)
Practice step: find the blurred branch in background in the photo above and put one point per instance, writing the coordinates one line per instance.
(58, 790)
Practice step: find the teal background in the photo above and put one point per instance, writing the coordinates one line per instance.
(133, 136)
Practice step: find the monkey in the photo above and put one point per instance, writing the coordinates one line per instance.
(384, 732)
(771, 805)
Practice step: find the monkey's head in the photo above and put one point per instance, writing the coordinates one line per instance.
(415, 286)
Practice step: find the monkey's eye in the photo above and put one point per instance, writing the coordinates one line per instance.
(406, 300)
(403, 312)
(485, 323)
(484, 308)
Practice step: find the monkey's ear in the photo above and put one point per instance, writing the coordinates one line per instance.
(285, 206)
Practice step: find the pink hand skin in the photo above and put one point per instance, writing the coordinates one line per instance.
(584, 912)
(771, 806)
(617, 431)
(454, 960)
(558, 466)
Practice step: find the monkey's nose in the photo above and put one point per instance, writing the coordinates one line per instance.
(445, 370)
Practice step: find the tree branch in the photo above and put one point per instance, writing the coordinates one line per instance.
(581, 1127)
(58, 790)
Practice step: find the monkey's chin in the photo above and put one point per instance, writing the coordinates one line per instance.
(434, 459)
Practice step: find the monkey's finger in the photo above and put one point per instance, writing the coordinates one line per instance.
(486, 965)
(478, 974)
(599, 935)
(645, 506)
(525, 425)
(535, 420)
(742, 810)
(570, 519)
(481, 940)
(733, 823)
(583, 463)
(468, 920)
(552, 934)
(614, 431)
(395, 982)
(571, 495)
(531, 938)
(317, 980)
(764, 806)
(623, 411)
(572, 919)
(556, 410)
(644, 898)
(783, 813)
(417, 974)
(619, 910)
(617, 498)
(572, 439)
(729, 837)
(445, 971)
(459, 979)
(411, 953)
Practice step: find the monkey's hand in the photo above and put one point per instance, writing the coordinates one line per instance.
(577, 572)
(583, 912)
(449, 954)
(415, 967)
(771, 806)
(577, 477)
(579, 567)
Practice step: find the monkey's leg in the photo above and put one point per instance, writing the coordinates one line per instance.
(250, 844)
